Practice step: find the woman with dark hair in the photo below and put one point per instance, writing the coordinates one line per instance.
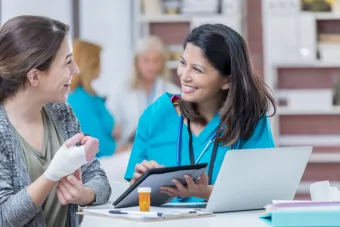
(47, 165)
(223, 106)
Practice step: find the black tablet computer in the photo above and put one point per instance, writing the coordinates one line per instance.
(155, 179)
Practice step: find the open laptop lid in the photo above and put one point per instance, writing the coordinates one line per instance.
(250, 179)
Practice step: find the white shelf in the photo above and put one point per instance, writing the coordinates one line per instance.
(166, 18)
(323, 15)
(304, 186)
(307, 64)
(288, 111)
(327, 16)
(172, 64)
(325, 158)
(309, 140)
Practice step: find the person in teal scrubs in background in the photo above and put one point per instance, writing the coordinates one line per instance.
(223, 105)
(90, 108)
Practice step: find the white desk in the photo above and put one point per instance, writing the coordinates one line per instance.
(232, 219)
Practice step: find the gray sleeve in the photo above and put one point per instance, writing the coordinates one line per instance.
(95, 178)
(16, 209)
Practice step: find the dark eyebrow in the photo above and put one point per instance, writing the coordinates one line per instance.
(69, 55)
(196, 65)
(200, 66)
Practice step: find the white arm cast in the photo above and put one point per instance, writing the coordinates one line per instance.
(65, 162)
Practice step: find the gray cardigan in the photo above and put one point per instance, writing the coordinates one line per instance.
(16, 207)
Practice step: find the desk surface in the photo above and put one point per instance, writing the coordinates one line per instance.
(234, 219)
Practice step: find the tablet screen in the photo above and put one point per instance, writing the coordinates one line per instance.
(155, 179)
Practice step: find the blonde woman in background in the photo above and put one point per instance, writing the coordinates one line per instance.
(90, 108)
(150, 79)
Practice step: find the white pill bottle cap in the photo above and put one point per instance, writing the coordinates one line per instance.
(144, 189)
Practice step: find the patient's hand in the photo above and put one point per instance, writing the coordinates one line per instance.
(200, 189)
(141, 168)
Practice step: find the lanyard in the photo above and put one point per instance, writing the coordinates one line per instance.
(191, 150)
(179, 141)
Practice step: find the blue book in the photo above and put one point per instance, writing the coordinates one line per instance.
(323, 217)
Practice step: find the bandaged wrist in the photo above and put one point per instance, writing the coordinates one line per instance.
(65, 162)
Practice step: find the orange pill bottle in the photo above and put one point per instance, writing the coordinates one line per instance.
(144, 199)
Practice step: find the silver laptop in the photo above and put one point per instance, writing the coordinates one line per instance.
(250, 179)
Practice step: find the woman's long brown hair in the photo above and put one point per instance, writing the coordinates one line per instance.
(248, 99)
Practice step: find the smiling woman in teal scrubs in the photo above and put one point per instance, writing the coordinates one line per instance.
(223, 106)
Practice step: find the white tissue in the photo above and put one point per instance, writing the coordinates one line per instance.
(323, 192)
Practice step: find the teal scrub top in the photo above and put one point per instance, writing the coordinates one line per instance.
(157, 134)
(94, 118)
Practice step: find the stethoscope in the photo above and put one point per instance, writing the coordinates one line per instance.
(211, 140)
(179, 142)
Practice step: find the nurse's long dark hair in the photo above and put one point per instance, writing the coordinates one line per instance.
(248, 98)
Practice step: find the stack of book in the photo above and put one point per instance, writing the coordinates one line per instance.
(302, 213)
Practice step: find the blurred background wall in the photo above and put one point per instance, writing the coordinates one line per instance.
(294, 44)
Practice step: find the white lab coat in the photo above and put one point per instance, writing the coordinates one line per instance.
(128, 105)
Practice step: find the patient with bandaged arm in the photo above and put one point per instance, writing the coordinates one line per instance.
(44, 175)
